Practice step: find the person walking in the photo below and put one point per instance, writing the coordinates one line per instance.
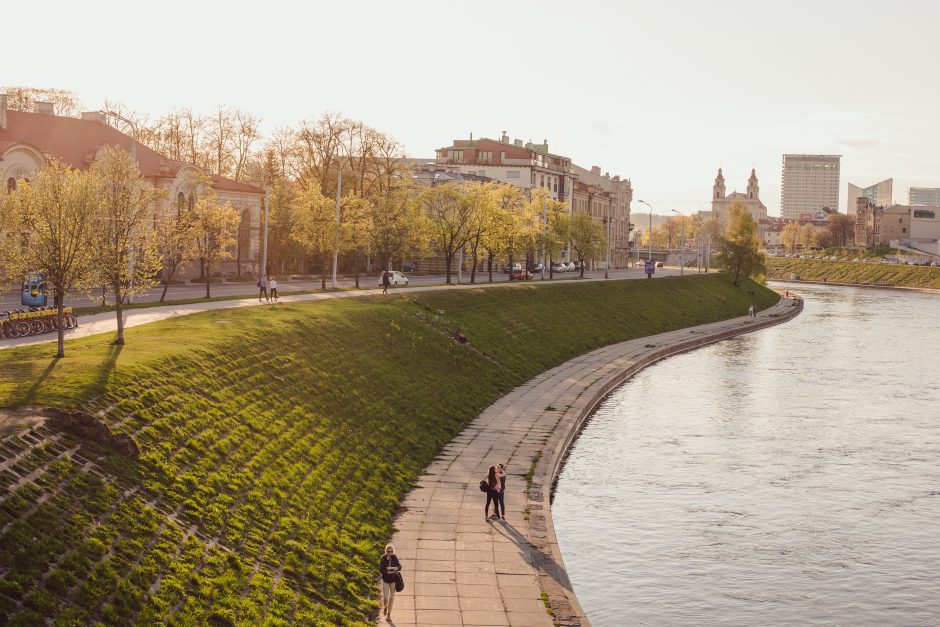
(386, 281)
(752, 311)
(492, 494)
(262, 288)
(501, 475)
(272, 287)
(388, 566)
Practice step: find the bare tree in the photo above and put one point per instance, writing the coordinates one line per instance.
(64, 102)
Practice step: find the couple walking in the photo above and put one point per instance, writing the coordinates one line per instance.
(267, 287)
(495, 493)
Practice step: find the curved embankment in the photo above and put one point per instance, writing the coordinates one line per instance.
(854, 273)
(275, 444)
(455, 557)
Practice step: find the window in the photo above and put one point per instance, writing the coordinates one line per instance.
(11, 185)
(180, 202)
(485, 155)
(512, 174)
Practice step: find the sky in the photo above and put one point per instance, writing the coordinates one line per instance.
(663, 93)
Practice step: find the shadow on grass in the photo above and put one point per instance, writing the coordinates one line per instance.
(96, 384)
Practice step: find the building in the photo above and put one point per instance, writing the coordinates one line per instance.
(929, 196)
(721, 201)
(878, 226)
(606, 199)
(881, 194)
(29, 140)
(809, 183)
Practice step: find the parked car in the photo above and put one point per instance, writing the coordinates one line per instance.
(536, 267)
(569, 267)
(515, 266)
(409, 266)
(559, 266)
(518, 274)
(395, 278)
(659, 264)
(577, 265)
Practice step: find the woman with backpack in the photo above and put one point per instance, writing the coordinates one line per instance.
(492, 494)
(389, 566)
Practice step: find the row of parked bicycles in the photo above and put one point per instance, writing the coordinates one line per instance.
(34, 321)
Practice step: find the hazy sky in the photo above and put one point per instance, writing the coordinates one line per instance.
(661, 92)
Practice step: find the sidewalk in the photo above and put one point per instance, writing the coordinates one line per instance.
(460, 569)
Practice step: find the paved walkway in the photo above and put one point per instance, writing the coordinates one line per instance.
(463, 570)
(107, 322)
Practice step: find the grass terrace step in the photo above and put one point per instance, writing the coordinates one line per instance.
(276, 448)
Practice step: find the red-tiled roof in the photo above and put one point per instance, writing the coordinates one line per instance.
(76, 142)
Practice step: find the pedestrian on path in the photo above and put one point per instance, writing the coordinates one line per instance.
(386, 281)
(272, 287)
(752, 311)
(263, 288)
(501, 475)
(492, 494)
(388, 566)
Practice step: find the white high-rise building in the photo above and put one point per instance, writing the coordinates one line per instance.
(809, 183)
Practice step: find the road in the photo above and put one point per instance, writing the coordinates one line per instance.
(10, 298)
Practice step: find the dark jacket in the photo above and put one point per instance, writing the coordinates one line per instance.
(389, 577)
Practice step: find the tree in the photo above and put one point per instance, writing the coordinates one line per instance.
(790, 236)
(213, 228)
(315, 225)
(553, 228)
(356, 229)
(125, 247)
(450, 217)
(398, 226)
(808, 236)
(55, 217)
(842, 229)
(64, 102)
(587, 237)
(176, 242)
(739, 248)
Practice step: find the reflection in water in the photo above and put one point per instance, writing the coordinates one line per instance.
(787, 477)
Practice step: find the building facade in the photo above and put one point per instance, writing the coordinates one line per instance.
(929, 196)
(606, 199)
(809, 183)
(881, 194)
(878, 226)
(29, 140)
(721, 201)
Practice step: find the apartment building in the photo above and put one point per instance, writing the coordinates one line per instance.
(606, 199)
(878, 226)
(880, 194)
(809, 183)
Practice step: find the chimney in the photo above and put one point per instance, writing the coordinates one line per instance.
(3, 110)
(96, 116)
(596, 169)
(606, 175)
(517, 142)
(45, 108)
(617, 177)
(504, 139)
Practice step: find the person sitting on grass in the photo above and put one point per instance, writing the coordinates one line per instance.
(460, 337)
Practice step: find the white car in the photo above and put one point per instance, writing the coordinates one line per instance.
(395, 278)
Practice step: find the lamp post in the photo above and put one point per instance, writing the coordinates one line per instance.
(681, 245)
(130, 261)
(650, 236)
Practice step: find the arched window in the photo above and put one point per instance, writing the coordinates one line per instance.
(11, 185)
(192, 200)
(180, 202)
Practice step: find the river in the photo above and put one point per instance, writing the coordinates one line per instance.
(786, 477)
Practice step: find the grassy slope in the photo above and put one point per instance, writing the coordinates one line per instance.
(854, 272)
(277, 443)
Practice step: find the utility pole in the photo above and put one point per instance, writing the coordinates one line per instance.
(681, 244)
(339, 192)
(264, 259)
(650, 234)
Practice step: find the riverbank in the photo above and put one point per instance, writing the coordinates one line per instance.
(854, 273)
(454, 556)
(276, 443)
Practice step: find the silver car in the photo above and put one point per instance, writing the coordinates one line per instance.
(395, 278)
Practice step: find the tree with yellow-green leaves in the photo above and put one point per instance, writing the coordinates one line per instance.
(739, 247)
(125, 239)
(500, 237)
(552, 226)
(214, 226)
(808, 236)
(587, 237)
(450, 216)
(50, 221)
(790, 236)
(314, 228)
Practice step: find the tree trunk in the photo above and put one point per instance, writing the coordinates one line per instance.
(448, 257)
(551, 275)
(207, 281)
(323, 257)
(356, 264)
(489, 265)
(60, 331)
(582, 266)
(119, 308)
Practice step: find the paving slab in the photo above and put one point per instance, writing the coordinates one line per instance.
(472, 571)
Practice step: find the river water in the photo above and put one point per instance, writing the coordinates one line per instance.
(786, 477)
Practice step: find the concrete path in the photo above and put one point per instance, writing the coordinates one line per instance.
(461, 569)
(107, 322)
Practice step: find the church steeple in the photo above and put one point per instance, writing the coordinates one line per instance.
(753, 191)
(719, 189)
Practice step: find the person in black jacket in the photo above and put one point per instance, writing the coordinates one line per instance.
(492, 494)
(388, 566)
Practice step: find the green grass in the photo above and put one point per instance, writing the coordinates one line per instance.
(859, 272)
(278, 442)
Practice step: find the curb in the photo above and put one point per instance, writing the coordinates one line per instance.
(553, 578)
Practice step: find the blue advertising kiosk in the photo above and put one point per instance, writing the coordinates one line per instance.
(34, 290)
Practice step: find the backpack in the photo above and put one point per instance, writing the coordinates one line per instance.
(484, 485)
(258, 283)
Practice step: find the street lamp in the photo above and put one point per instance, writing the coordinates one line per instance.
(650, 236)
(681, 245)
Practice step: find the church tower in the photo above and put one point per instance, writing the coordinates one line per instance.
(753, 191)
(719, 188)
